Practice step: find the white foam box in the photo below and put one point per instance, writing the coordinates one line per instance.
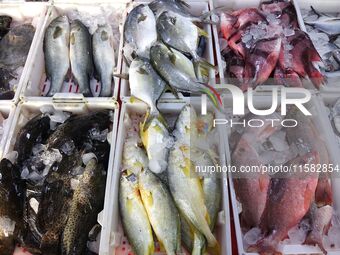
(113, 240)
(26, 110)
(331, 7)
(7, 110)
(233, 5)
(34, 83)
(322, 125)
(197, 7)
(21, 13)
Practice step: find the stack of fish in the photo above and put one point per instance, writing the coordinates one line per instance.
(274, 204)
(71, 46)
(160, 185)
(55, 190)
(15, 43)
(324, 30)
(266, 42)
(173, 61)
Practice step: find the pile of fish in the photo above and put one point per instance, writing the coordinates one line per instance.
(52, 194)
(72, 46)
(324, 30)
(164, 46)
(15, 43)
(266, 42)
(274, 204)
(160, 185)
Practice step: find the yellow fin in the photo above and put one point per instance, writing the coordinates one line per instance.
(202, 32)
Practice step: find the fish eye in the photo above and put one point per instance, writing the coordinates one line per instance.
(173, 20)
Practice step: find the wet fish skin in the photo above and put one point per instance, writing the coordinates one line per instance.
(164, 61)
(326, 24)
(187, 192)
(15, 45)
(56, 53)
(184, 130)
(55, 201)
(289, 199)
(321, 220)
(104, 58)
(76, 128)
(178, 32)
(178, 6)
(137, 229)
(134, 156)
(192, 239)
(87, 202)
(12, 197)
(156, 139)
(146, 84)
(35, 130)
(162, 212)
(5, 22)
(140, 29)
(81, 56)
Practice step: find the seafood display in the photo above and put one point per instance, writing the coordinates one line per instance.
(55, 182)
(170, 42)
(280, 204)
(266, 46)
(15, 43)
(323, 29)
(81, 55)
(159, 183)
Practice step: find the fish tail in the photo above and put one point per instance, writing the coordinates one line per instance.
(150, 115)
(198, 244)
(267, 244)
(215, 249)
(214, 96)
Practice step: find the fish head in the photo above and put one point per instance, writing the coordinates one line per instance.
(186, 122)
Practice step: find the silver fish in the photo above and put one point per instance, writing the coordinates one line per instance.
(178, 6)
(56, 52)
(81, 56)
(140, 29)
(146, 84)
(104, 57)
(164, 62)
(162, 212)
(137, 229)
(181, 33)
(327, 24)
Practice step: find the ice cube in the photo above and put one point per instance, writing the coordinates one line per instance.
(34, 204)
(252, 236)
(297, 235)
(278, 140)
(87, 157)
(74, 183)
(98, 135)
(246, 38)
(68, 147)
(24, 173)
(38, 148)
(288, 31)
(59, 116)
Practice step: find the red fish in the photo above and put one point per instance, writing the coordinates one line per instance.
(284, 10)
(227, 24)
(261, 61)
(287, 77)
(289, 199)
(236, 68)
(248, 16)
(251, 191)
(304, 55)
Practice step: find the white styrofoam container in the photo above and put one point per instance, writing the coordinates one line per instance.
(329, 99)
(35, 76)
(197, 7)
(28, 109)
(21, 13)
(322, 125)
(113, 235)
(236, 5)
(7, 111)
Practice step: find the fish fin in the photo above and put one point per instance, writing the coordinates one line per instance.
(214, 96)
(124, 76)
(172, 90)
(183, 3)
(202, 32)
(214, 250)
(150, 115)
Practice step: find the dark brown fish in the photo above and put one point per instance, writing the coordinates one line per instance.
(11, 209)
(5, 22)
